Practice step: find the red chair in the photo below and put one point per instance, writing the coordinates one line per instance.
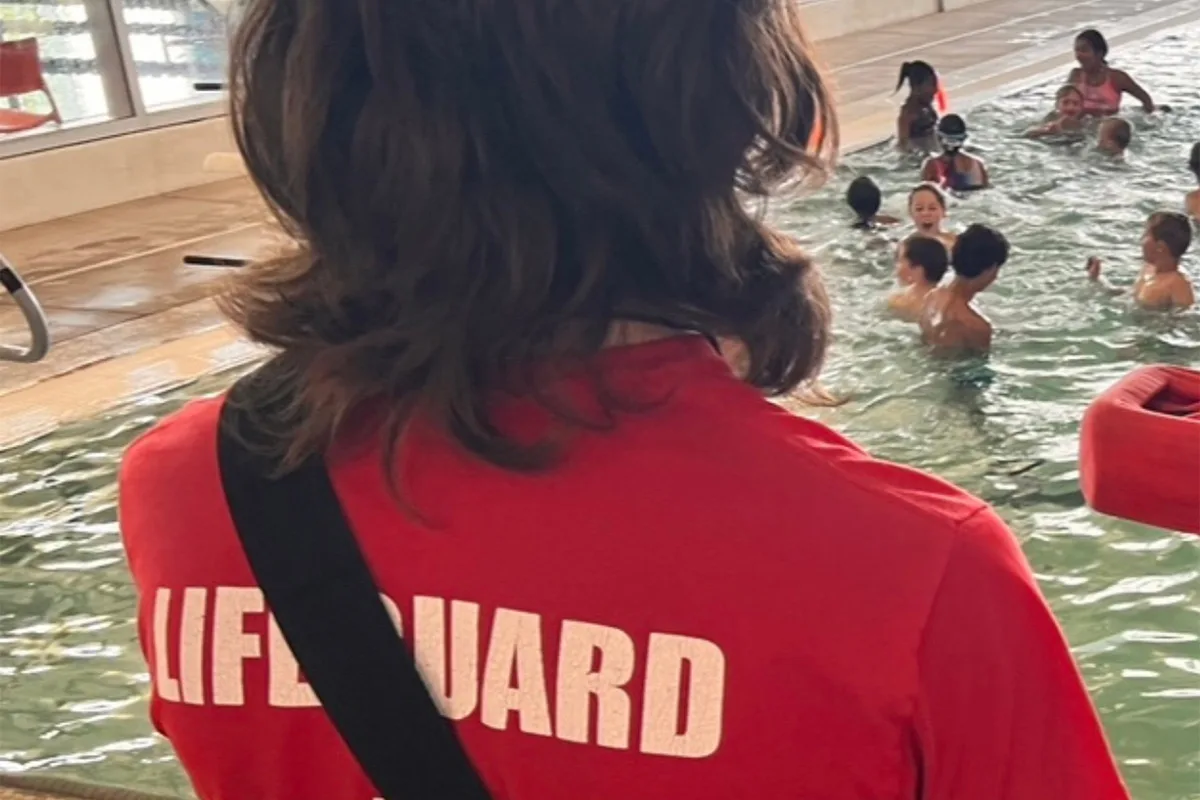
(21, 73)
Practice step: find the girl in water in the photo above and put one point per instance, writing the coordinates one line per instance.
(927, 207)
(955, 169)
(917, 123)
(1067, 118)
(1100, 85)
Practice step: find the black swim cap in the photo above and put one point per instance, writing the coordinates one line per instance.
(952, 131)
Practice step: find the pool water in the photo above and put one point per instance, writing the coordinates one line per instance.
(72, 681)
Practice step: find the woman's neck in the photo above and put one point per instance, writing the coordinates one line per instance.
(624, 333)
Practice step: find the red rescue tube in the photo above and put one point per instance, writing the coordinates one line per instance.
(1139, 453)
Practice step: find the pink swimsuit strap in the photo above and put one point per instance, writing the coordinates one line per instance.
(1102, 99)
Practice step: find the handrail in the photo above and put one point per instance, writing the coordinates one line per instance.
(35, 318)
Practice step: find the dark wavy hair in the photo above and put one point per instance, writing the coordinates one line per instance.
(478, 187)
(1095, 40)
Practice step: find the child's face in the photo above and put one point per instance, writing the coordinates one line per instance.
(927, 213)
(906, 271)
(1070, 105)
(1086, 56)
(1153, 250)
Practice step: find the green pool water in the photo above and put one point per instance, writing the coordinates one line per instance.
(72, 682)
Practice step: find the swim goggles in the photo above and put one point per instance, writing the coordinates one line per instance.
(35, 318)
(952, 141)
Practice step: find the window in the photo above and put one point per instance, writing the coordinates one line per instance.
(57, 62)
(175, 44)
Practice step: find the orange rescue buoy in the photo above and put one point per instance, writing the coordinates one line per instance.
(1139, 454)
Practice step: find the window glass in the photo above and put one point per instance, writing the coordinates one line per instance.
(59, 66)
(175, 44)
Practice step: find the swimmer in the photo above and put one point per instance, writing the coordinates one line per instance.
(955, 169)
(1192, 201)
(949, 322)
(927, 208)
(1114, 136)
(865, 199)
(1067, 117)
(1161, 285)
(917, 123)
(921, 263)
(1101, 85)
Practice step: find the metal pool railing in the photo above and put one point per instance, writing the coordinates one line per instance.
(35, 318)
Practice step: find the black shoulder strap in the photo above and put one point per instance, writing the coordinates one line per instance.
(323, 596)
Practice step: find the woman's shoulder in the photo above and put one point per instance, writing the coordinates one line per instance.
(178, 445)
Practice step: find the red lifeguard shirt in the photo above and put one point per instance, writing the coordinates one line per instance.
(713, 600)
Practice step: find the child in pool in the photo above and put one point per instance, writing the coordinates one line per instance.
(927, 207)
(1114, 136)
(1161, 285)
(1101, 85)
(955, 169)
(865, 199)
(921, 263)
(1067, 118)
(1192, 201)
(949, 322)
(917, 123)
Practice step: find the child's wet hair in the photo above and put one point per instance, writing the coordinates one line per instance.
(864, 198)
(917, 73)
(1194, 161)
(929, 255)
(1172, 229)
(952, 132)
(1118, 130)
(978, 249)
(933, 189)
(1063, 91)
(1095, 40)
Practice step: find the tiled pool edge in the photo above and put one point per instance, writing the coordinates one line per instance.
(41, 408)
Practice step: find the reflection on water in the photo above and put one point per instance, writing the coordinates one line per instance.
(1004, 427)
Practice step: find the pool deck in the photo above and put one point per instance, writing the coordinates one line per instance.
(127, 316)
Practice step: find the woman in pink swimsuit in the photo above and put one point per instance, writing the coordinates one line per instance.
(1100, 84)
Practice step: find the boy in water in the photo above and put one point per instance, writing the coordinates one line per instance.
(1068, 116)
(865, 199)
(920, 266)
(949, 322)
(1161, 285)
(1114, 136)
(1192, 202)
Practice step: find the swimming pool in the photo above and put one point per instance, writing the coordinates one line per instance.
(73, 681)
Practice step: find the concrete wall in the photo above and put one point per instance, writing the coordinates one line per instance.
(828, 19)
(950, 5)
(70, 180)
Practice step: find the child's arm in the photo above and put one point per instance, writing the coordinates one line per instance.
(887, 219)
(1049, 129)
(904, 128)
(929, 171)
(983, 173)
(1094, 265)
(1131, 87)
